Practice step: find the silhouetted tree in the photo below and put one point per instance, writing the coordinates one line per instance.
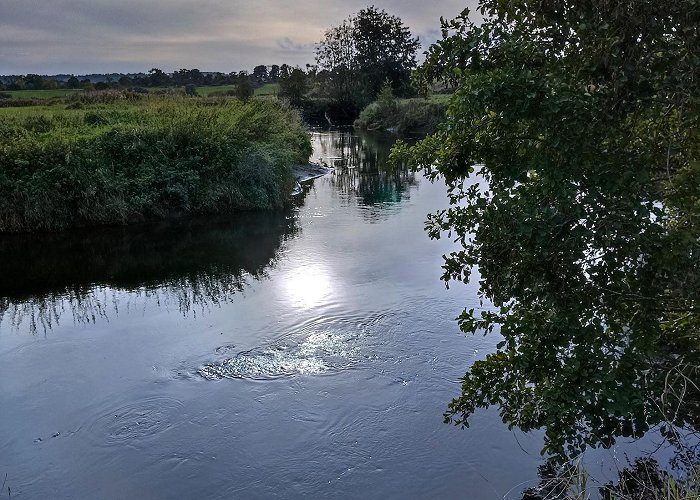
(260, 73)
(363, 52)
(73, 83)
(244, 88)
(294, 86)
(158, 78)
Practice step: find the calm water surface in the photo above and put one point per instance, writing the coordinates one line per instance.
(302, 354)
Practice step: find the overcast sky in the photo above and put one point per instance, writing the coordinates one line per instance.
(99, 36)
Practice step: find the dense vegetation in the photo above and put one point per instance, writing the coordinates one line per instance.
(357, 57)
(417, 116)
(135, 158)
(570, 152)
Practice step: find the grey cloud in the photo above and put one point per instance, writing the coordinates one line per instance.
(48, 36)
(287, 44)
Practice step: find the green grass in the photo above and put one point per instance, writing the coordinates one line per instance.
(440, 98)
(404, 116)
(41, 94)
(269, 89)
(119, 162)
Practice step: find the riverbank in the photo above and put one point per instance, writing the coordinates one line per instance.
(131, 159)
(404, 116)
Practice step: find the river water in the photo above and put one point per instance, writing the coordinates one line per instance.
(304, 354)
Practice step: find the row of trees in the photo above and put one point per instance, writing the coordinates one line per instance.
(154, 78)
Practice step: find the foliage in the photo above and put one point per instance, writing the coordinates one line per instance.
(135, 160)
(570, 152)
(42, 94)
(293, 87)
(402, 116)
(244, 89)
(367, 49)
(260, 73)
(644, 480)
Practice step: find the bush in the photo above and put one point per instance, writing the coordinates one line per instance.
(159, 158)
(402, 116)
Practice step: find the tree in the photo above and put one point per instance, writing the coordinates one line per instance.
(260, 73)
(570, 153)
(364, 51)
(294, 87)
(124, 81)
(73, 83)
(158, 78)
(244, 89)
(34, 82)
(187, 76)
(284, 71)
(274, 73)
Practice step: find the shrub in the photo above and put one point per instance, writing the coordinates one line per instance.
(162, 157)
(403, 116)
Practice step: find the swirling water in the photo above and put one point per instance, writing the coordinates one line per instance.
(309, 353)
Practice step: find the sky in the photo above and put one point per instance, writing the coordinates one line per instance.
(105, 36)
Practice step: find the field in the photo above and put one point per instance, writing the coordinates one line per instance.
(265, 90)
(40, 94)
(268, 89)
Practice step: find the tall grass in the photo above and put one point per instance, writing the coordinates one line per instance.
(130, 160)
(403, 116)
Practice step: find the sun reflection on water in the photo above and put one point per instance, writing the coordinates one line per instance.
(308, 287)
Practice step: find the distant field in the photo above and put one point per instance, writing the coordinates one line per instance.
(440, 98)
(267, 89)
(40, 94)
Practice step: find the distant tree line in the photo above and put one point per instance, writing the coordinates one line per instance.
(156, 77)
(368, 51)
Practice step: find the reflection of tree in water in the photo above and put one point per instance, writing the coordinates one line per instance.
(187, 264)
(360, 167)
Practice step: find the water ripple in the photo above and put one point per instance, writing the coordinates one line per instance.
(321, 347)
(134, 422)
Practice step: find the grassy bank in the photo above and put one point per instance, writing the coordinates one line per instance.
(403, 116)
(133, 160)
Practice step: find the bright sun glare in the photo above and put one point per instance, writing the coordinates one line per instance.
(308, 287)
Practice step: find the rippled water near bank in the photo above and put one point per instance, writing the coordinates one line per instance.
(301, 353)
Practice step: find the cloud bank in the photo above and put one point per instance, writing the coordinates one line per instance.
(86, 36)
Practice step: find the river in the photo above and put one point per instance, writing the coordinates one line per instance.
(303, 354)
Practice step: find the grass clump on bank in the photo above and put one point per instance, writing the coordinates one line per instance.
(152, 158)
(402, 116)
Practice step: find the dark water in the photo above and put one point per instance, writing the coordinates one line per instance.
(302, 354)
